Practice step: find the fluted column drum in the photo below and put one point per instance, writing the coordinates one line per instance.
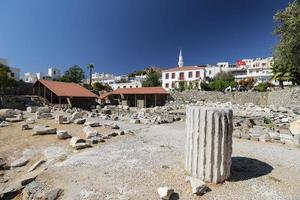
(208, 143)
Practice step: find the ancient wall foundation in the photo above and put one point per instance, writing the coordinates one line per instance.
(289, 97)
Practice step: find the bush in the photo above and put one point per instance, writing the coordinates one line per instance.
(219, 85)
(261, 87)
(205, 86)
(224, 76)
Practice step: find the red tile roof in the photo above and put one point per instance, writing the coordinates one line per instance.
(63, 89)
(142, 90)
(184, 68)
(104, 95)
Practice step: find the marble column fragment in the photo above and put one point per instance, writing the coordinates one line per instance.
(208, 143)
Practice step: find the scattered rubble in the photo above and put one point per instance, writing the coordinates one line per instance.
(165, 192)
(198, 187)
(78, 143)
(19, 162)
(42, 130)
(62, 134)
(36, 165)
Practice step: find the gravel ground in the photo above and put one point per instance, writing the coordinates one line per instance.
(134, 166)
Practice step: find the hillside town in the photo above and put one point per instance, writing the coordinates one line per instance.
(224, 130)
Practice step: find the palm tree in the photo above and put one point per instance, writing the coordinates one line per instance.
(90, 67)
(282, 73)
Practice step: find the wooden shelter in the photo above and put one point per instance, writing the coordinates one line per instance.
(139, 97)
(55, 92)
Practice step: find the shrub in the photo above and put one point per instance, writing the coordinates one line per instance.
(224, 76)
(261, 87)
(219, 85)
(205, 86)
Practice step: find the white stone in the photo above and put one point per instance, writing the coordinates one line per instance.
(79, 121)
(59, 119)
(92, 124)
(30, 121)
(76, 115)
(36, 165)
(62, 134)
(90, 132)
(295, 127)
(198, 187)
(7, 113)
(297, 139)
(286, 138)
(208, 143)
(274, 135)
(42, 129)
(165, 192)
(135, 121)
(75, 140)
(20, 162)
(81, 145)
(31, 109)
(4, 124)
(265, 138)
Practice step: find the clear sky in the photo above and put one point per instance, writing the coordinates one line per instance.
(119, 36)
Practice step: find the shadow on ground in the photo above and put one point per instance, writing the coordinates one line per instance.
(243, 168)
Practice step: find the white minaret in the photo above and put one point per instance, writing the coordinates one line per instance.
(180, 60)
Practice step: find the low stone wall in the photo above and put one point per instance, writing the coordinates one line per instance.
(289, 97)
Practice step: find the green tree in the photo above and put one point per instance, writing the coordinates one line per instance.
(152, 78)
(283, 73)
(286, 53)
(74, 74)
(5, 80)
(261, 87)
(90, 68)
(101, 87)
(224, 76)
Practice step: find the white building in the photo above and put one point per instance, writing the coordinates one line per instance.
(261, 69)
(131, 84)
(54, 73)
(30, 77)
(192, 75)
(115, 82)
(102, 78)
(14, 73)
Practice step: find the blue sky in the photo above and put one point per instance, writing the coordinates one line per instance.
(119, 36)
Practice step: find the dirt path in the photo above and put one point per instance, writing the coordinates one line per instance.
(134, 166)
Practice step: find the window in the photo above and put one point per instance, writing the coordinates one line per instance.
(54, 72)
(12, 74)
(167, 75)
(209, 72)
(190, 74)
(167, 85)
(173, 75)
(198, 74)
(173, 84)
(124, 86)
(181, 76)
(131, 86)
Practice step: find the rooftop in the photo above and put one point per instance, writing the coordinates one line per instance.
(184, 68)
(142, 90)
(63, 89)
